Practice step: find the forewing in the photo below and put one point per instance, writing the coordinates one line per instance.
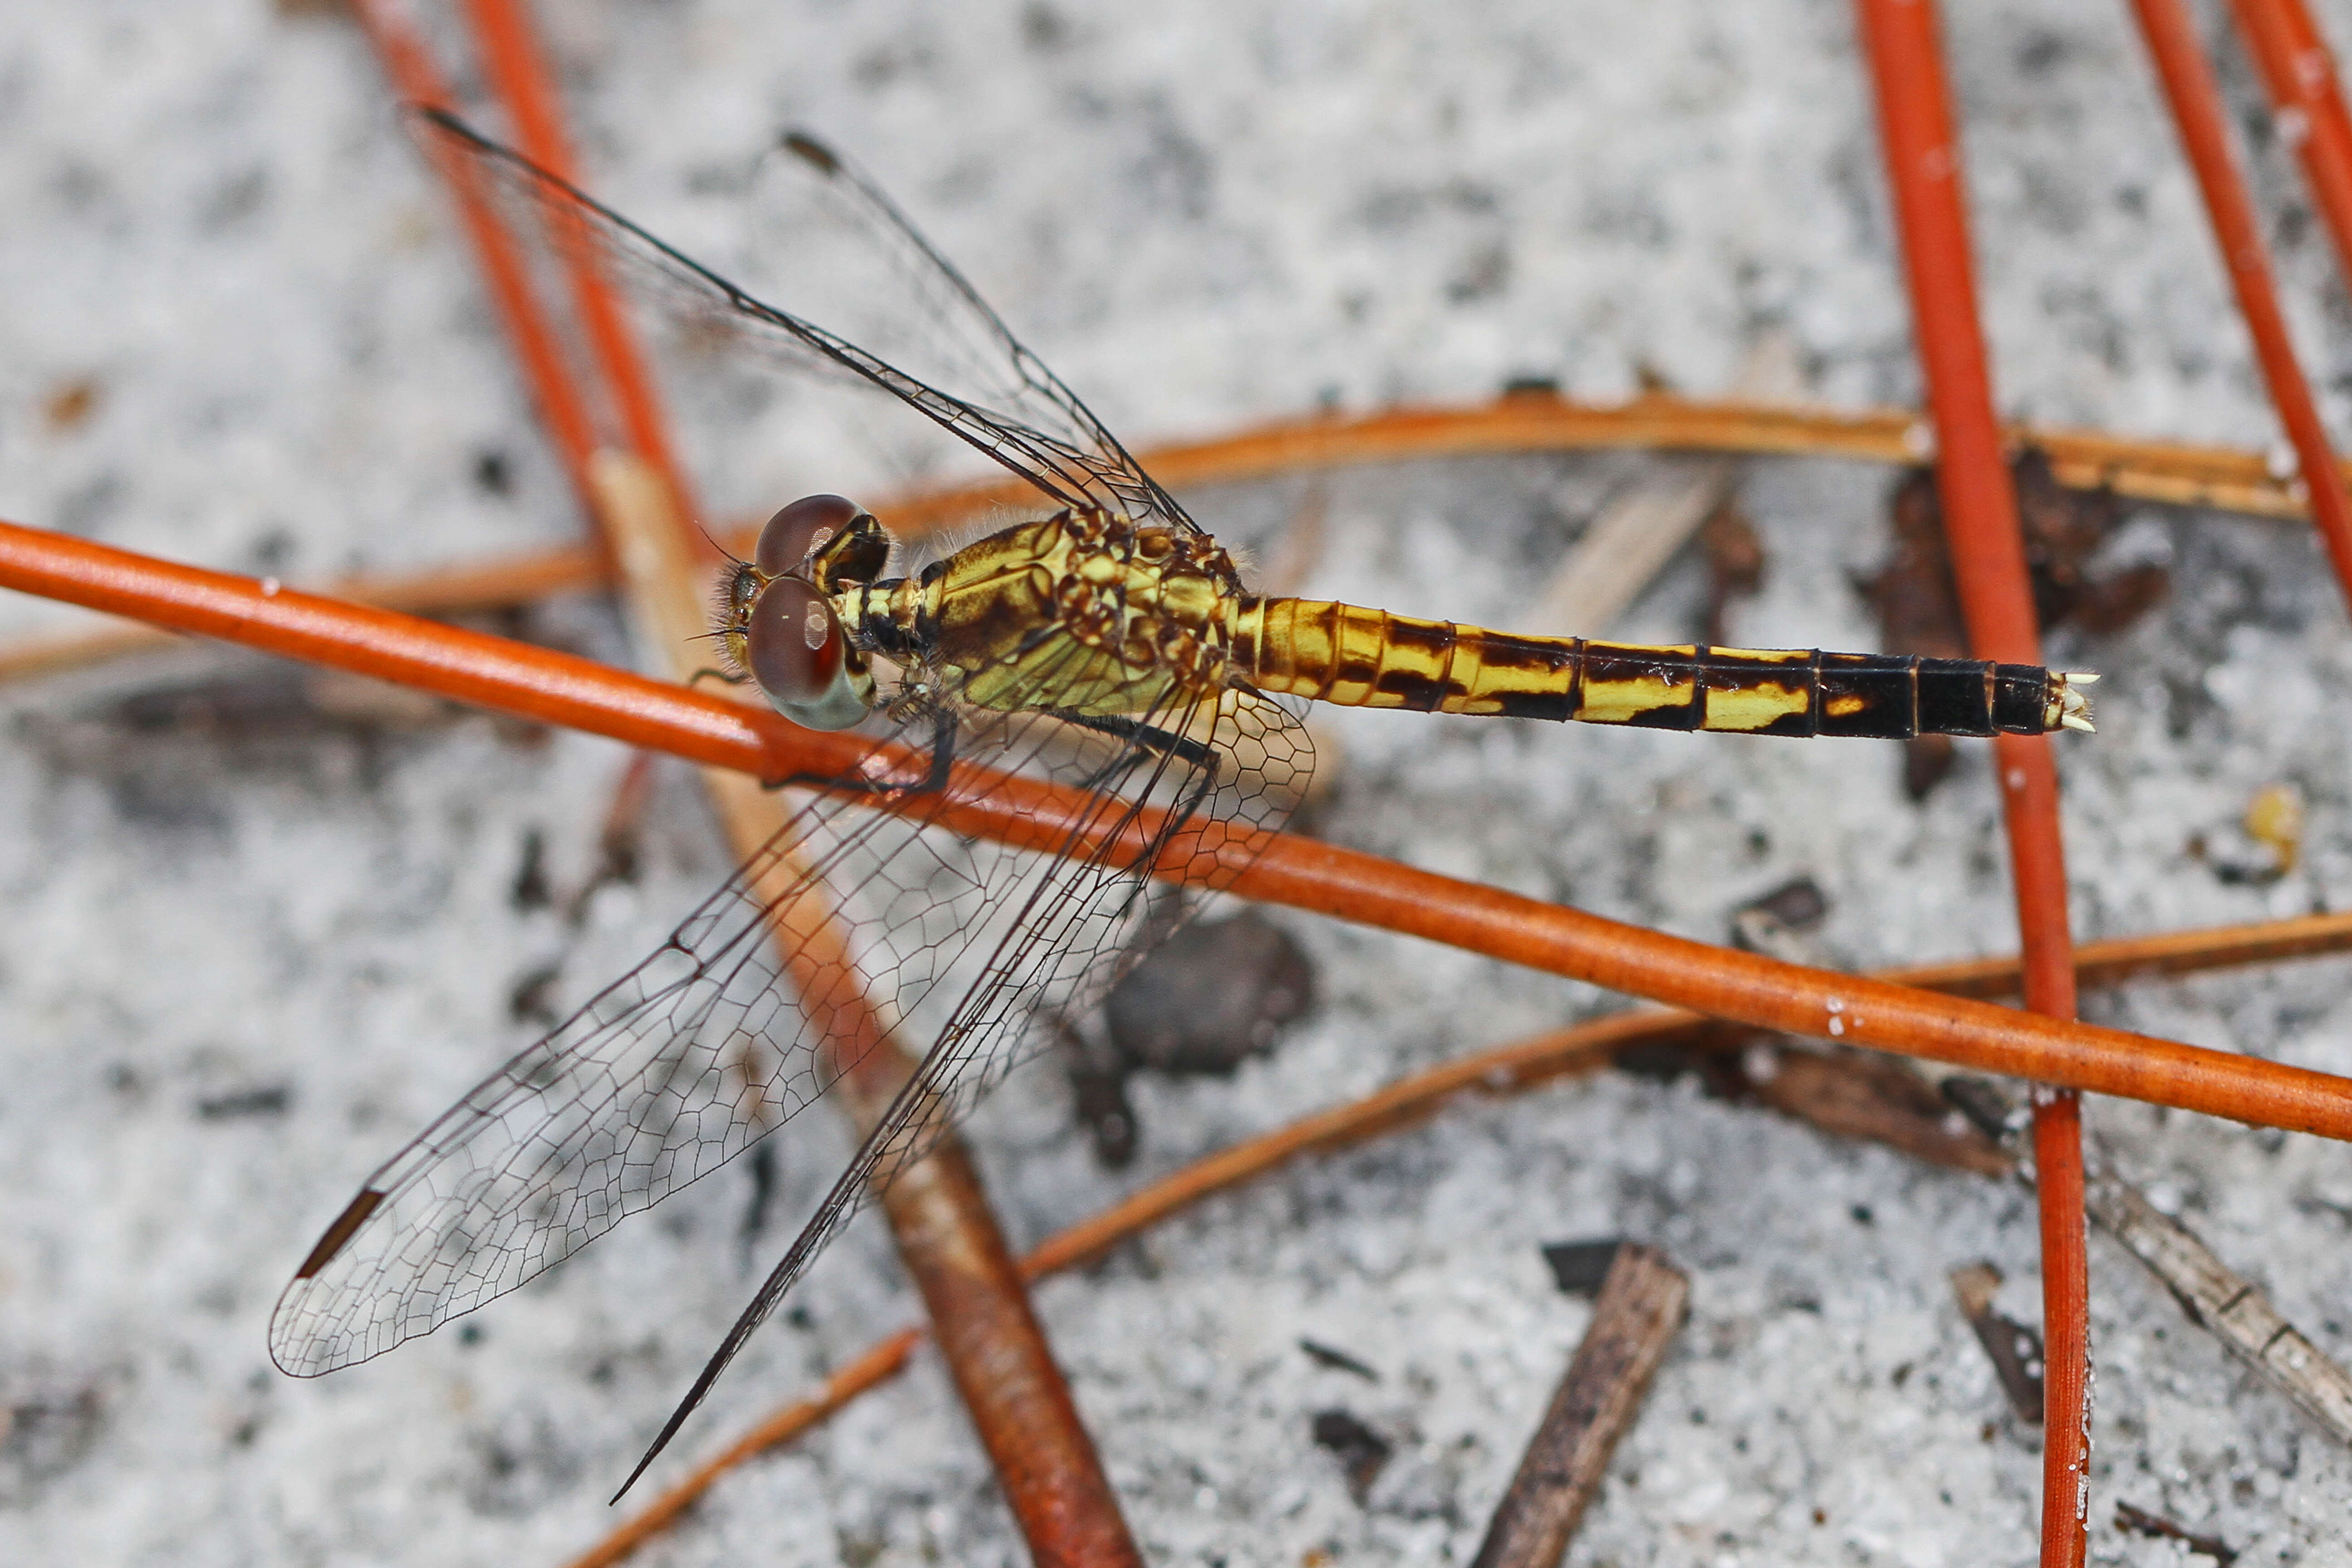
(1069, 925)
(859, 292)
(665, 1075)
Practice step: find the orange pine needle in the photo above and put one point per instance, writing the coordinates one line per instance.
(562, 688)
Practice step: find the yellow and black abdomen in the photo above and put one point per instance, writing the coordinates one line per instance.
(1370, 659)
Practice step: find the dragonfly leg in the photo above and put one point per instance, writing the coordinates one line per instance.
(728, 676)
(1146, 738)
(1151, 739)
(935, 778)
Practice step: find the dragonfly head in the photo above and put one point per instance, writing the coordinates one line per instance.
(777, 619)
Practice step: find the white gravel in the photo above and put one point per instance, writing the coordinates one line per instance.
(1201, 215)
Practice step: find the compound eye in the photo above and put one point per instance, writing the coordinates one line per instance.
(789, 537)
(793, 642)
(798, 653)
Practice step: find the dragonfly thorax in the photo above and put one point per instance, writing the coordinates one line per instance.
(1082, 612)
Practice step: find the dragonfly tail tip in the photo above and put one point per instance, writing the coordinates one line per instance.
(2072, 705)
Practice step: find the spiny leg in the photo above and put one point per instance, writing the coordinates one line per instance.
(943, 747)
(1144, 738)
(1148, 739)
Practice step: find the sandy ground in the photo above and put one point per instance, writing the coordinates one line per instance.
(238, 966)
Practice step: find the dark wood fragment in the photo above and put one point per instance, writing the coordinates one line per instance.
(1337, 1360)
(2063, 530)
(1362, 1453)
(1798, 904)
(1640, 1306)
(1735, 563)
(1856, 1094)
(1581, 1268)
(531, 1000)
(762, 1168)
(620, 842)
(1099, 1097)
(1918, 610)
(262, 1099)
(1988, 1107)
(2015, 1350)
(2139, 1522)
(529, 890)
(494, 471)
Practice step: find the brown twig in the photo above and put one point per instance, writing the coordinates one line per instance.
(2215, 1296)
(511, 54)
(1886, 1102)
(2014, 1350)
(2219, 1298)
(1642, 1304)
(1855, 1094)
(1544, 422)
(2139, 1522)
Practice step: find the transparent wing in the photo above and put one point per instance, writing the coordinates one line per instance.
(862, 917)
(863, 294)
(1059, 944)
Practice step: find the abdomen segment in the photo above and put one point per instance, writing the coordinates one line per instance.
(1370, 659)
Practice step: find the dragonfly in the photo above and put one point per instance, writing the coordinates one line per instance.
(1105, 654)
